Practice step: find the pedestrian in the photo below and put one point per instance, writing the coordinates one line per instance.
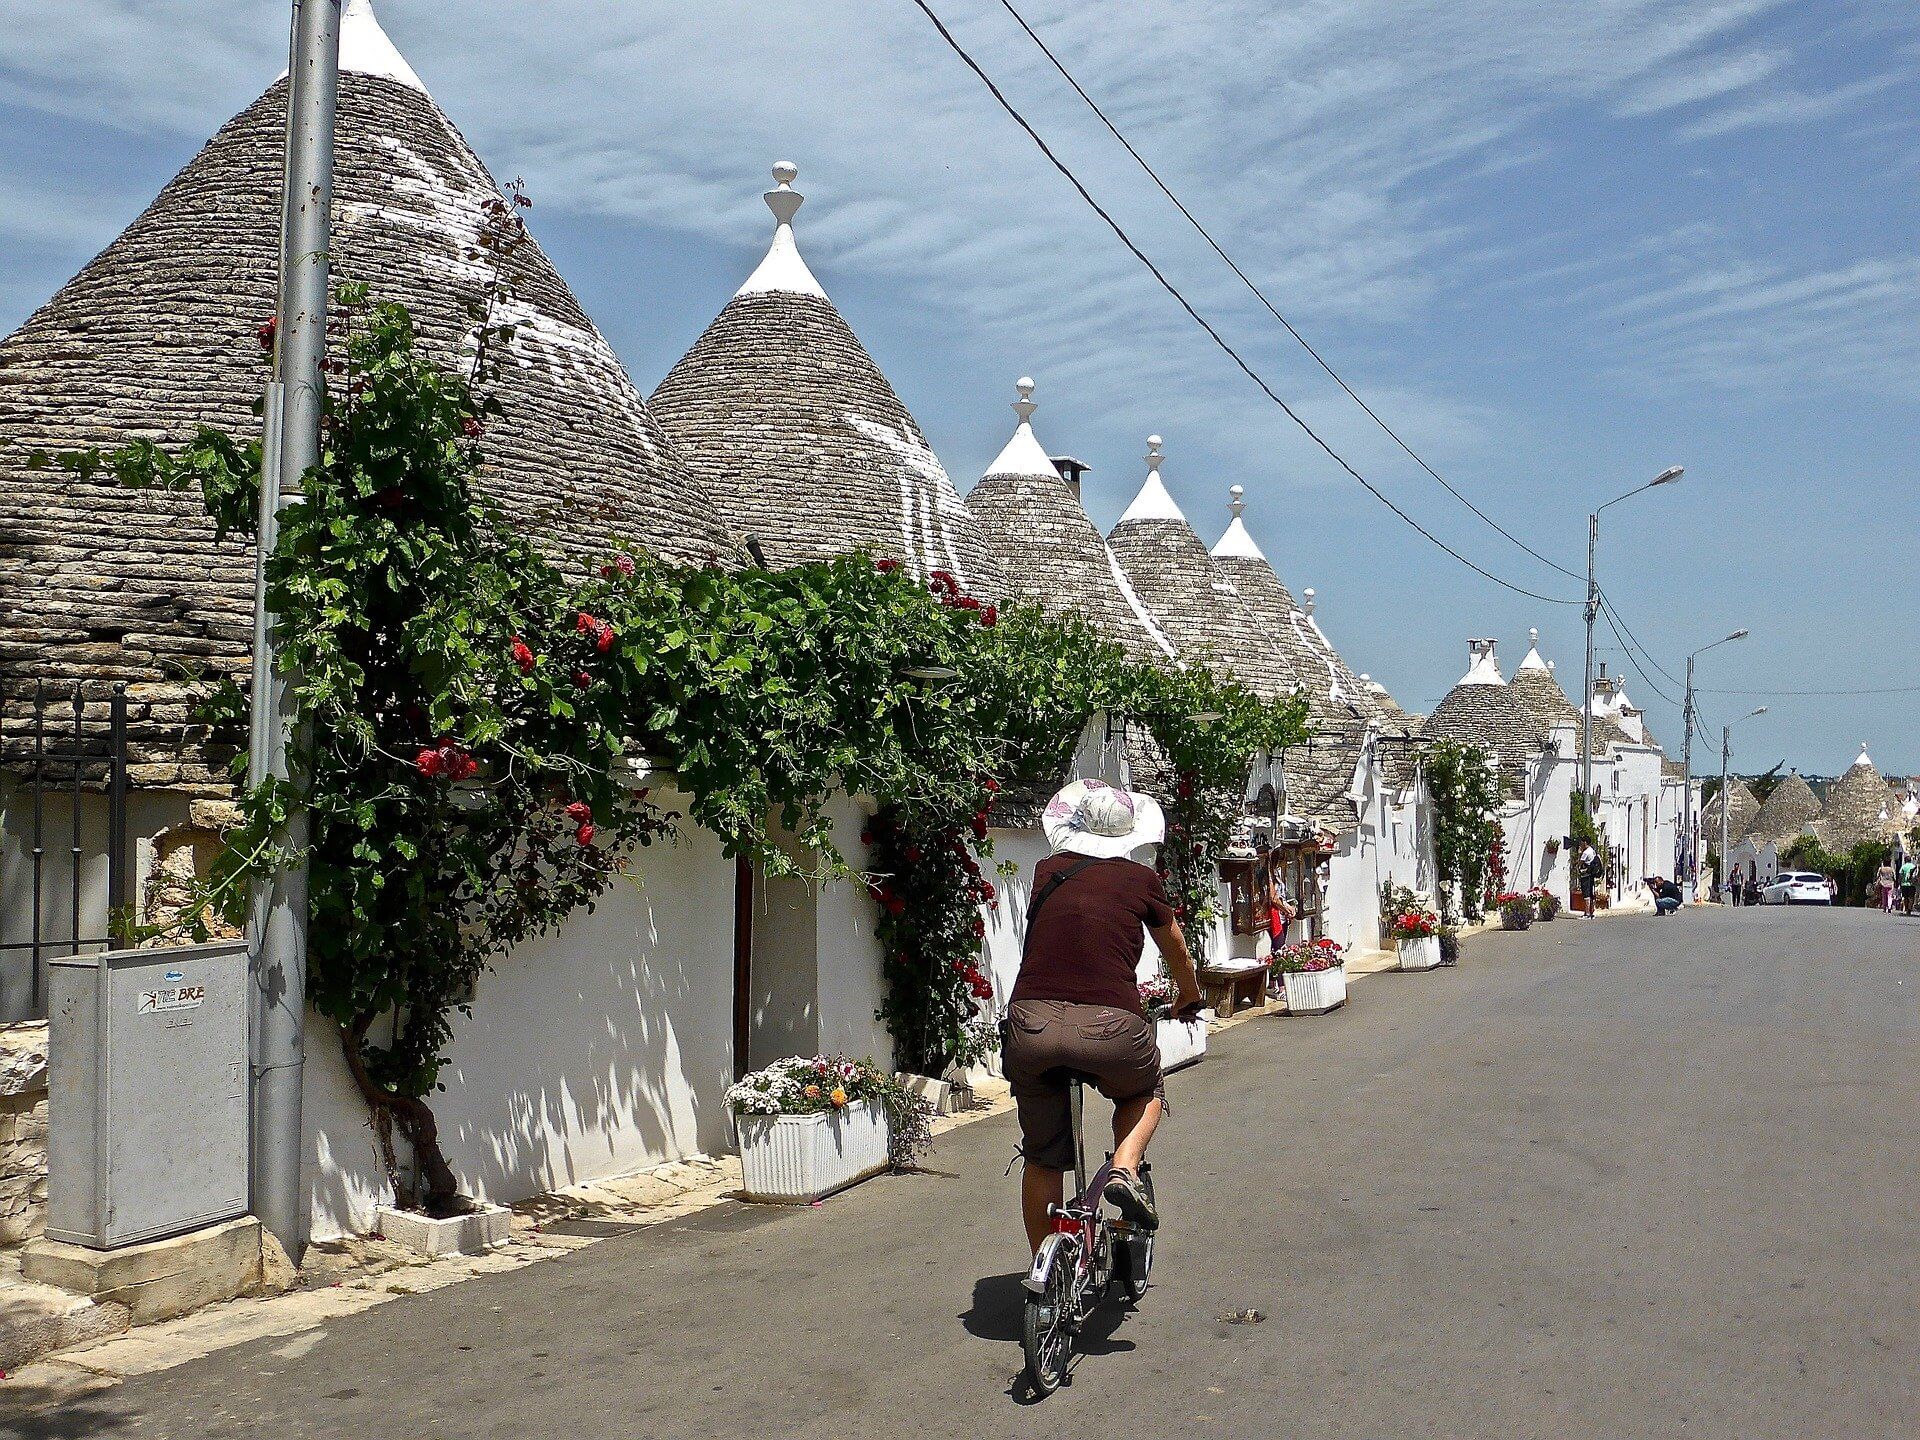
(1909, 880)
(1883, 881)
(1589, 875)
(1280, 907)
(1666, 895)
(1750, 892)
(1075, 1006)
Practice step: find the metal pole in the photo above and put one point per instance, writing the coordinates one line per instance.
(1586, 695)
(279, 928)
(1727, 747)
(39, 831)
(1686, 789)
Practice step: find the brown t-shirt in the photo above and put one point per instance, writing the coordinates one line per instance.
(1085, 944)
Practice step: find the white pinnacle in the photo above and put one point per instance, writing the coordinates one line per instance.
(1238, 542)
(1153, 502)
(1024, 455)
(366, 50)
(1863, 760)
(783, 271)
(1533, 660)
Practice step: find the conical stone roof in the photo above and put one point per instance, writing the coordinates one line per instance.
(157, 336)
(1742, 808)
(1856, 806)
(1319, 774)
(1193, 601)
(1483, 710)
(810, 452)
(1788, 811)
(1049, 551)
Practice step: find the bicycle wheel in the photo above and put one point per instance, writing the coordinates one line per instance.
(1047, 1333)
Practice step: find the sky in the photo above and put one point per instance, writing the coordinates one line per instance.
(1557, 247)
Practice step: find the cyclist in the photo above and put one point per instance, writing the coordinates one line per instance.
(1076, 1004)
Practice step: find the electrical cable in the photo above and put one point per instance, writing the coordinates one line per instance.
(1200, 320)
(1260, 295)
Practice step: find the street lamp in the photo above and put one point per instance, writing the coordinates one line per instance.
(1690, 842)
(1726, 749)
(1665, 477)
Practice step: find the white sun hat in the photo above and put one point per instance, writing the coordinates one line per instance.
(1091, 817)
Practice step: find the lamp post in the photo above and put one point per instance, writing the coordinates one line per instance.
(1665, 477)
(1726, 750)
(1690, 842)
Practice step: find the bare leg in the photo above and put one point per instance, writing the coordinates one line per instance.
(1039, 1188)
(1134, 1122)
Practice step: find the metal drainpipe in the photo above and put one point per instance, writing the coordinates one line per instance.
(278, 928)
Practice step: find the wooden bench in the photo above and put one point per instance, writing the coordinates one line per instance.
(1229, 991)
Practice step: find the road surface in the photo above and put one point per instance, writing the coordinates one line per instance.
(1625, 1177)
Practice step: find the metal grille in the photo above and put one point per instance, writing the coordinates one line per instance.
(66, 751)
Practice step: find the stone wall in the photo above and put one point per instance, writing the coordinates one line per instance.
(23, 1131)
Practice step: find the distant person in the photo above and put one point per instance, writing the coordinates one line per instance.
(1589, 874)
(1750, 891)
(1666, 895)
(1909, 881)
(1281, 911)
(1883, 882)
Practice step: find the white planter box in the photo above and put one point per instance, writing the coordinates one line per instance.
(1420, 954)
(1181, 1042)
(470, 1234)
(1316, 992)
(795, 1159)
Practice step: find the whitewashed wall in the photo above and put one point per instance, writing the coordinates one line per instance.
(597, 1050)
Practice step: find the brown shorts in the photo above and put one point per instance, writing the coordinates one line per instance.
(1048, 1038)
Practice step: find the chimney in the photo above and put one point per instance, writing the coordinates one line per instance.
(1307, 595)
(1070, 471)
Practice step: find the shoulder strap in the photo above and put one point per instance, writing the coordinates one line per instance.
(1054, 882)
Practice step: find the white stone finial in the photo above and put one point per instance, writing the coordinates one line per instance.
(783, 270)
(1023, 455)
(1533, 635)
(1237, 503)
(1153, 502)
(1308, 595)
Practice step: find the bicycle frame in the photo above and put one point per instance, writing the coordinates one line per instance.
(1081, 1217)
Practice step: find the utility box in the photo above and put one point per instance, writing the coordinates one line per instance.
(146, 1093)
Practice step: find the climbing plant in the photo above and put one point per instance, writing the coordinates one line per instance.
(1466, 826)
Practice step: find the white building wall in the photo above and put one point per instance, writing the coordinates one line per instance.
(597, 1050)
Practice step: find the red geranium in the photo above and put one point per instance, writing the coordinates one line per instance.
(579, 812)
(522, 656)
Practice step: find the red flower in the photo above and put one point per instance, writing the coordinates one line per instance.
(522, 656)
(583, 622)
(579, 812)
(993, 785)
(980, 826)
(624, 564)
(943, 580)
(990, 616)
(886, 567)
(967, 602)
(584, 835)
(427, 762)
(582, 679)
(987, 892)
(472, 428)
(979, 927)
(896, 906)
(866, 837)
(603, 636)
(267, 332)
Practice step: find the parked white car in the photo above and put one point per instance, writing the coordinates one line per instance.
(1797, 887)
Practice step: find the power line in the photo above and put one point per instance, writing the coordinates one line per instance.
(1606, 611)
(1203, 323)
(1260, 295)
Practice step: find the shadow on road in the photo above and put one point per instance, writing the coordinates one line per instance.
(998, 1302)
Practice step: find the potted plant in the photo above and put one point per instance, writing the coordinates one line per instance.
(1181, 1041)
(1516, 910)
(1314, 973)
(1546, 904)
(811, 1126)
(1416, 933)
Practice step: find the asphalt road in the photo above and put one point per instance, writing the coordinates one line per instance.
(1627, 1177)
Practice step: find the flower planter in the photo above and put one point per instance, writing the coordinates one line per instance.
(474, 1233)
(1515, 922)
(1182, 1042)
(1422, 953)
(796, 1159)
(1543, 914)
(1315, 992)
